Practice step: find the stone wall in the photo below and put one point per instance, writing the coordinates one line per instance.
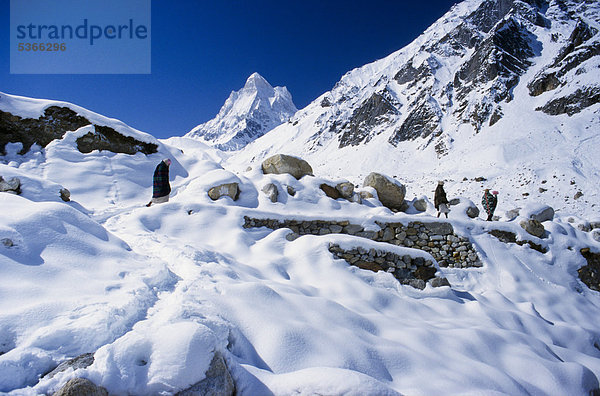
(409, 270)
(437, 238)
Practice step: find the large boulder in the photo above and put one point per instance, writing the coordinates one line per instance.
(218, 381)
(81, 387)
(281, 163)
(390, 192)
(231, 190)
(533, 227)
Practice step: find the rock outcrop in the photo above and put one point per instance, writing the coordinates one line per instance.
(65, 194)
(55, 122)
(533, 227)
(281, 163)
(590, 273)
(106, 138)
(81, 361)
(511, 237)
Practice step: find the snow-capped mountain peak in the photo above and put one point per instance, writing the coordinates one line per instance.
(246, 115)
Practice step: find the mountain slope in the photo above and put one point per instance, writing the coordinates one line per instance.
(505, 90)
(246, 115)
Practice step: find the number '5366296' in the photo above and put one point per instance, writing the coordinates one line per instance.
(42, 47)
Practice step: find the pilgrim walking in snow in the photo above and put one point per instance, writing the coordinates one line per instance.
(160, 183)
(440, 201)
(489, 202)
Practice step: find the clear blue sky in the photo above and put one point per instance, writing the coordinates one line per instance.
(203, 50)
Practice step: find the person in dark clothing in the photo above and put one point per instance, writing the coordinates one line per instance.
(440, 201)
(160, 183)
(489, 202)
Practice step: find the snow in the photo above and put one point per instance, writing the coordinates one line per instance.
(154, 292)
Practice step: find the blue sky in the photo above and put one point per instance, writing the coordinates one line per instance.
(202, 50)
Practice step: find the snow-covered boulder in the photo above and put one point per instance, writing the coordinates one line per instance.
(534, 211)
(281, 163)
(533, 227)
(218, 381)
(270, 191)
(420, 204)
(12, 185)
(390, 192)
(231, 190)
(466, 206)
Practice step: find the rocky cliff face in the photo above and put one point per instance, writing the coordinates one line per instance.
(247, 115)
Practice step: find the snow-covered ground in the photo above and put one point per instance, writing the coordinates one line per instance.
(153, 292)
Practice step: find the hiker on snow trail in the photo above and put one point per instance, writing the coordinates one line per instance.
(440, 201)
(160, 183)
(489, 202)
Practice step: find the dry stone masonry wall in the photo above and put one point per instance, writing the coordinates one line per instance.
(413, 271)
(436, 238)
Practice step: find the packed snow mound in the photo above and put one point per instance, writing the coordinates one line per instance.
(68, 287)
(246, 115)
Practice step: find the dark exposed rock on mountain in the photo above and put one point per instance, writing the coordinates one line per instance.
(28, 131)
(106, 138)
(573, 103)
(371, 113)
(55, 122)
(423, 121)
(590, 273)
